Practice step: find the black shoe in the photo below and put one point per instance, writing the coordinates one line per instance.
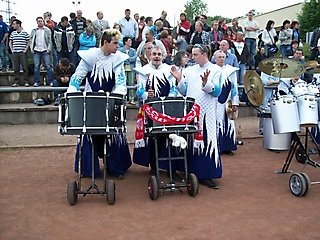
(207, 182)
(117, 176)
(227, 153)
(175, 176)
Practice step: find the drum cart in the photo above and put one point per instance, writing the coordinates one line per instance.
(190, 180)
(300, 183)
(74, 188)
(176, 107)
(87, 114)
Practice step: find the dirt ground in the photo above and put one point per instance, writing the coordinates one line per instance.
(253, 202)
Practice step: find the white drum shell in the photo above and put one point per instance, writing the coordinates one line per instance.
(273, 141)
(308, 110)
(299, 89)
(284, 112)
(313, 89)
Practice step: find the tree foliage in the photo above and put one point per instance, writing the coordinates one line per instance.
(195, 8)
(309, 18)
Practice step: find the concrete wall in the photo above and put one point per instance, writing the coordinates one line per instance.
(278, 16)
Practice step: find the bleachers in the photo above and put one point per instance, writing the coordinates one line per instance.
(16, 105)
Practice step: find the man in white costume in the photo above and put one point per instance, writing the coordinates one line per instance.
(229, 91)
(103, 69)
(154, 80)
(203, 82)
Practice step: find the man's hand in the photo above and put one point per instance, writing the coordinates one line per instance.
(204, 77)
(176, 73)
(150, 93)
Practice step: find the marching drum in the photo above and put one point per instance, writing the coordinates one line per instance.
(171, 106)
(273, 141)
(308, 110)
(285, 117)
(313, 89)
(300, 88)
(92, 113)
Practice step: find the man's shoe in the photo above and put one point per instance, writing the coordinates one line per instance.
(26, 84)
(209, 183)
(51, 84)
(227, 152)
(117, 176)
(56, 102)
(15, 85)
(36, 84)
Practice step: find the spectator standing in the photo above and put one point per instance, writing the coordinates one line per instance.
(99, 26)
(313, 44)
(141, 26)
(40, 46)
(216, 36)
(79, 25)
(285, 36)
(269, 38)
(235, 26)
(19, 44)
(129, 27)
(199, 36)
(251, 28)
(4, 33)
(183, 31)
(64, 38)
(296, 35)
(48, 22)
(203, 19)
(129, 65)
(166, 24)
(87, 39)
(164, 38)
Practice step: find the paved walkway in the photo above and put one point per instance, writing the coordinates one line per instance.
(45, 135)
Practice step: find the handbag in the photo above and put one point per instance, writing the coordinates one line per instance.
(273, 48)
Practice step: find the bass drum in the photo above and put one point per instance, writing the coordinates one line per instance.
(284, 112)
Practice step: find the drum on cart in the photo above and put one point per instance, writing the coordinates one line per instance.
(92, 113)
(170, 106)
(271, 140)
(285, 117)
(308, 110)
(300, 88)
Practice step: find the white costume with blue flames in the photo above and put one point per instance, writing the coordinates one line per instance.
(102, 73)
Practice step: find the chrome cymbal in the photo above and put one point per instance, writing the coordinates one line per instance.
(253, 87)
(282, 67)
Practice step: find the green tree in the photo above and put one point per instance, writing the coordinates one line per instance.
(195, 8)
(309, 18)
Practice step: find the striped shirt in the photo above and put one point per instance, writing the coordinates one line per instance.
(19, 41)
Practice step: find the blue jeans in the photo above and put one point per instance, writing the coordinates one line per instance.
(285, 50)
(70, 55)
(241, 72)
(252, 47)
(45, 56)
(4, 55)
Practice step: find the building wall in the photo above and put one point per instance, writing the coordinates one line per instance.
(278, 16)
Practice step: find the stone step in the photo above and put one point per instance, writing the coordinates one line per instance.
(29, 113)
(7, 78)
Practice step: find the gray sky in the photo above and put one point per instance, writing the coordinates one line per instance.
(89, 8)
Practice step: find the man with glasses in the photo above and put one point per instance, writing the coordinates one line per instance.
(154, 80)
(103, 69)
(203, 82)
